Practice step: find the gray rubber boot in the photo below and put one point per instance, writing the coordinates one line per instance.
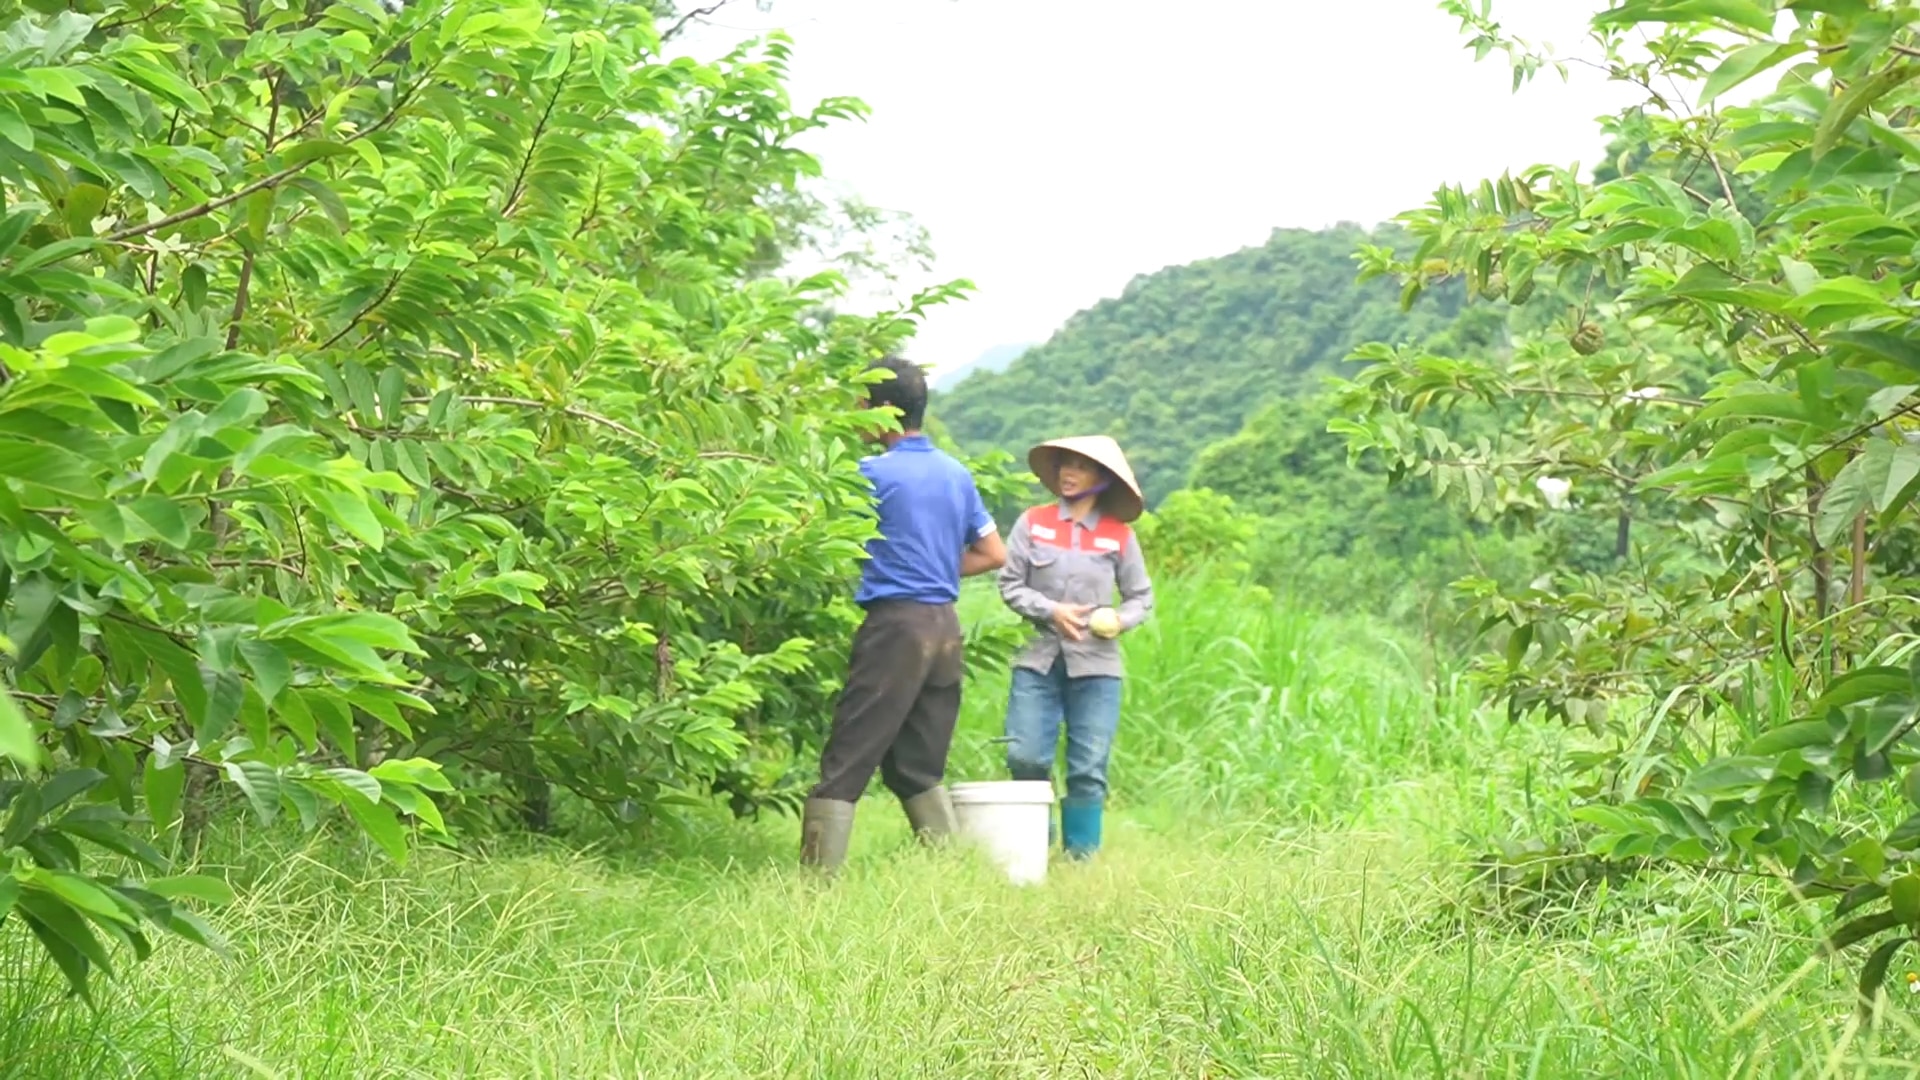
(931, 814)
(825, 827)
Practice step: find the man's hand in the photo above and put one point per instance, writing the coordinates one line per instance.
(1071, 620)
(983, 556)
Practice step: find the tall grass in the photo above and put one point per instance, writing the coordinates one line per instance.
(1281, 896)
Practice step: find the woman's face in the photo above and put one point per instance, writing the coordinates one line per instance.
(1078, 476)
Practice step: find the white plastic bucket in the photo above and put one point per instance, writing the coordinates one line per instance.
(1008, 818)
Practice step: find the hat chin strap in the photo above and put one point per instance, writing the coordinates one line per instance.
(1093, 492)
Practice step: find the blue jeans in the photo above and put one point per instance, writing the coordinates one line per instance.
(1038, 703)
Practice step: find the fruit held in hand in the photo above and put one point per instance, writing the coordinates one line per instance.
(1104, 623)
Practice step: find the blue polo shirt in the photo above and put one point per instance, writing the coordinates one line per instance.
(930, 512)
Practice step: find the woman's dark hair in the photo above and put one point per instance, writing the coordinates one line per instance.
(906, 391)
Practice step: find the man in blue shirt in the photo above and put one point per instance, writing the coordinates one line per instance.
(902, 696)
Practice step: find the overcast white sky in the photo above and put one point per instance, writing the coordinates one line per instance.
(1058, 148)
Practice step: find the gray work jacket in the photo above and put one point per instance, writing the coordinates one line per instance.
(1052, 559)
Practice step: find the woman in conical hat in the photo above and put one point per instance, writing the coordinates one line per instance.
(1066, 561)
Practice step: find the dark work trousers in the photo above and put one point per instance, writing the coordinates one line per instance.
(900, 704)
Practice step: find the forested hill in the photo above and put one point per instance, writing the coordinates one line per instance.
(1183, 356)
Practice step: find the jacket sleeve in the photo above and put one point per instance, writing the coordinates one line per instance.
(1136, 588)
(1024, 599)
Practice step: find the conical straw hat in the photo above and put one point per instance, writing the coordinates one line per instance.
(1122, 501)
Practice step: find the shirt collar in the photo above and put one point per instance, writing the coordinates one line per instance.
(1091, 521)
(912, 442)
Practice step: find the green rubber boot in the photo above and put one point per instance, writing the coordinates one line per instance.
(931, 814)
(825, 827)
(1080, 826)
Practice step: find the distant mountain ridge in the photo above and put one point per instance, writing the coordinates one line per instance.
(994, 359)
(1182, 357)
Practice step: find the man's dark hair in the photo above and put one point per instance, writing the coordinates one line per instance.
(906, 391)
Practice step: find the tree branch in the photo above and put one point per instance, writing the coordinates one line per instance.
(269, 181)
(689, 17)
(607, 422)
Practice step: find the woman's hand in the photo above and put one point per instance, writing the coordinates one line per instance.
(1071, 620)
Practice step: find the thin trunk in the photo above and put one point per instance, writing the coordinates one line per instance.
(1822, 564)
(1857, 592)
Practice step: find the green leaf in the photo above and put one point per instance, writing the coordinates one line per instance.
(163, 516)
(1873, 974)
(1882, 344)
(418, 772)
(413, 464)
(66, 785)
(270, 667)
(1861, 929)
(366, 784)
(1906, 835)
(16, 734)
(162, 787)
(1904, 894)
(200, 887)
(1729, 775)
(380, 823)
(1871, 766)
(360, 391)
(1801, 277)
(60, 917)
(114, 838)
(84, 895)
(1756, 407)
(393, 390)
(1856, 99)
(23, 816)
(1517, 643)
(1747, 13)
(1893, 468)
(14, 129)
(53, 253)
(72, 959)
(314, 150)
(15, 225)
(412, 802)
(1845, 499)
(261, 784)
(365, 627)
(351, 512)
(48, 467)
(1911, 788)
(1863, 684)
(1814, 790)
(293, 712)
(162, 82)
(327, 199)
(1793, 736)
(1742, 64)
(1858, 897)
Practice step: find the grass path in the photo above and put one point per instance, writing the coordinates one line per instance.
(1244, 953)
(1280, 897)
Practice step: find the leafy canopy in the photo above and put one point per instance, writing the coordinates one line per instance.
(1735, 364)
(398, 417)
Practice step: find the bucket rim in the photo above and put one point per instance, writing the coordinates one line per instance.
(1002, 791)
